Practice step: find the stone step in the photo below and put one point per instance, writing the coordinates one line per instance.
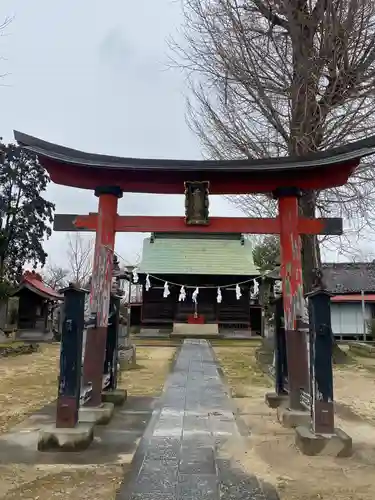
(191, 330)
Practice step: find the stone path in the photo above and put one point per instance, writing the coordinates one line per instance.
(179, 457)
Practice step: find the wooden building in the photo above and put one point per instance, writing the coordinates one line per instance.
(202, 260)
(36, 301)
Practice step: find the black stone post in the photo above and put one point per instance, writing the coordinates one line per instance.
(281, 366)
(110, 362)
(70, 358)
(129, 309)
(321, 348)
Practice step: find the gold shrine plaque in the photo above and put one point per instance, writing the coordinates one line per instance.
(196, 202)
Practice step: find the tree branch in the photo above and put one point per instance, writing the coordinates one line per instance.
(268, 14)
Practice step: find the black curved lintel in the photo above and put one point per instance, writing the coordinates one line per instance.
(337, 156)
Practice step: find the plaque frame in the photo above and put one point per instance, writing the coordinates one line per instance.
(197, 203)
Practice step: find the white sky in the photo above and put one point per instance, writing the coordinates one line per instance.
(93, 75)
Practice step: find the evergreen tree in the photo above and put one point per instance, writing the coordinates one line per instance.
(25, 215)
(266, 254)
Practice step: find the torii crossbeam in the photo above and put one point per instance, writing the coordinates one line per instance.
(149, 224)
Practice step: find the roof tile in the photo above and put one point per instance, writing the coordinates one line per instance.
(348, 277)
(210, 256)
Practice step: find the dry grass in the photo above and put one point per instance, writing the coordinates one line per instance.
(152, 342)
(241, 369)
(177, 341)
(61, 481)
(148, 377)
(362, 362)
(27, 382)
(270, 452)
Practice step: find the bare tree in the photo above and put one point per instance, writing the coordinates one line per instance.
(80, 258)
(277, 78)
(56, 277)
(3, 25)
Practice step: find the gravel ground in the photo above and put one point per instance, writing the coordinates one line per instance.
(270, 452)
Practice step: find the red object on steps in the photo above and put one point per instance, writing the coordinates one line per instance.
(195, 320)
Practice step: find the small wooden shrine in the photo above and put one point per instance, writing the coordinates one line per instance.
(36, 301)
(220, 266)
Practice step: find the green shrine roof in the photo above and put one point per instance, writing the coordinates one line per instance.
(209, 254)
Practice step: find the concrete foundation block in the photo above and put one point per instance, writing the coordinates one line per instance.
(274, 400)
(338, 444)
(117, 397)
(293, 418)
(96, 415)
(79, 438)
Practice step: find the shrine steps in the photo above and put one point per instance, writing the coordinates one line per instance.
(207, 330)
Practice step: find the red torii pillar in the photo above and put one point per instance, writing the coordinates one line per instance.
(293, 297)
(100, 292)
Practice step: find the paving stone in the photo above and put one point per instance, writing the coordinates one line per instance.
(174, 403)
(150, 496)
(182, 457)
(197, 487)
(171, 412)
(156, 477)
(195, 440)
(163, 447)
(236, 485)
(162, 431)
(197, 461)
(197, 423)
(171, 421)
(164, 460)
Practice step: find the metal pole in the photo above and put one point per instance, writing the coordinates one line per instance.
(363, 315)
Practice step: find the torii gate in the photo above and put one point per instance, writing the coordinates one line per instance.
(286, 178)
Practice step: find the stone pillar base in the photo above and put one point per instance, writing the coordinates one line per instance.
(127, 358)
(96, 415)
(78, 438)
(274, 400)
(117, 396)
(293, 418)
(338, 444)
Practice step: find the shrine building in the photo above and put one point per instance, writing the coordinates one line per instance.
(36, 302)
(205, 261)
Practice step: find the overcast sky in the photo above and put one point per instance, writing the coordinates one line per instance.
(93, 75)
